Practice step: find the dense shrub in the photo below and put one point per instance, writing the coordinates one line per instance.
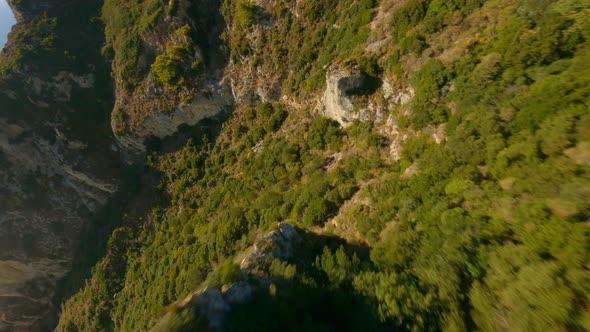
(316, 212)
(36, 38)
(407, 16)
(245, 13)
(370, 66)
(429, 81)
(226, 273)
(323, 132)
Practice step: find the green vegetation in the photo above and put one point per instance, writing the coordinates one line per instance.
(125, 23)
(35, 39)
(226, 273)
(302, 47)
(323, 132)
(485, 229)
(181, 320)
(223, 209)
(48, 38)
(245, 13)
(429, 81)
(408, 16)
(173, 60)
(316, 212)
(167, 68)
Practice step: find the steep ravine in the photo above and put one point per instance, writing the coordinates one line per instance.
(64, 148)
(59, 161)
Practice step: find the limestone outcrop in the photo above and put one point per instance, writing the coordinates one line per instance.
(214, 304)
(335, 103)
(147, 107)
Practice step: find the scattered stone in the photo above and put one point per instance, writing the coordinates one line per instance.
(258, 147)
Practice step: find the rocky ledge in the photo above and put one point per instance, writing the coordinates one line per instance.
(213, 303)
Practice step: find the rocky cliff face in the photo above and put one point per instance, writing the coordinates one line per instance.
(204, 105)
(58, 166)
(186, 87)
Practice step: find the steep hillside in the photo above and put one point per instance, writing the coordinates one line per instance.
(58, 166)
(431, 158)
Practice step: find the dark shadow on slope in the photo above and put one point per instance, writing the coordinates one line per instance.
(296, 305)
(308, 302)
(312, 245)
(207, 34)
(370, 85)
(209, 127)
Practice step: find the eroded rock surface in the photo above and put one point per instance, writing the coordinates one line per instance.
(58, 167)
(147, 107)
(335, 103)
(215, 101)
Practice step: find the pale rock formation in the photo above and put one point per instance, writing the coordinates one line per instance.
(46, 198)
(214, 304)
(335, 103)
(208, 104)
(396, 137)
(211, 304)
